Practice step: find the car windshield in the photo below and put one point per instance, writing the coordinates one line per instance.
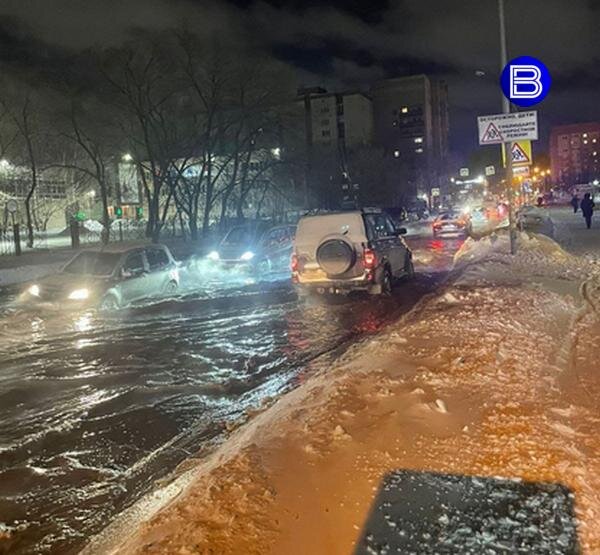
(447, 216)
(239, 236)
(93, 264)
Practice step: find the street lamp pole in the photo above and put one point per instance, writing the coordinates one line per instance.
(507, 146)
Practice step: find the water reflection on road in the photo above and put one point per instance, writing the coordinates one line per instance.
(94, 409)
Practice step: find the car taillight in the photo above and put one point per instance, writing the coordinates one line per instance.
(369, 259)
(294, 262)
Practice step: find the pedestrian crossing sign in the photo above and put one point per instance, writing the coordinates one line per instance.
(521, 154)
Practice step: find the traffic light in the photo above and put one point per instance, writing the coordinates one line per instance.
(80, 216)
(118, 212)
(139, 212)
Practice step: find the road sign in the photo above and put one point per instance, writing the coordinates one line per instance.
(503, 128)
(490, 170)
(522, 171)
(525, 81)
(521, 154)
(12, 206)
(464, 172)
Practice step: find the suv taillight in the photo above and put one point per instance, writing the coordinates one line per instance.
(294, 263)
(369, 259)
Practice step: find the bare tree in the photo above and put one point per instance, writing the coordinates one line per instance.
(24, 116)
(234, 101)
(150, 100)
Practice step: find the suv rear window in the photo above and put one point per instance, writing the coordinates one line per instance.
(378, 225)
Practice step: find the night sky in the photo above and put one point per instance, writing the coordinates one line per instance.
(350, 44)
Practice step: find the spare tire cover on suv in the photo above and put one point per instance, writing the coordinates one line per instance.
(336, 256)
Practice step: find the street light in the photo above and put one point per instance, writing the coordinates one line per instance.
(507, 146)
(127, 157)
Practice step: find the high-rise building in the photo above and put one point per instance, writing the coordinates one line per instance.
(575, 153)
(411, 124)
(335, 124)
(338, 120)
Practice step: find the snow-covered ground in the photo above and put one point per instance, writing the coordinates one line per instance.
(495, 376)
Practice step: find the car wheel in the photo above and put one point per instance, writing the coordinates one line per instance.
(109, 303)
(171, 288)
(409, 267)
(386, 282)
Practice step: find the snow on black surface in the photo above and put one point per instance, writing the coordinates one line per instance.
(426, 513)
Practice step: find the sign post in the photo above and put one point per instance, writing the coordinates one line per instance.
(507, 129)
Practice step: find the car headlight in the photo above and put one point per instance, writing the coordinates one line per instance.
(213, 255)
(34, 290)
(79, 295)
(248, 255)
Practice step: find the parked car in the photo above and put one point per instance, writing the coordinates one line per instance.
(109, 279)
(255, 248)
(451, 223)
(533, 218)
(339, 252)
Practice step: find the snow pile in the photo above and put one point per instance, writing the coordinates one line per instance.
(538, 256)
(534, 252)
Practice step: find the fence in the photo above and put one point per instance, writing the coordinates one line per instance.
(89, 234)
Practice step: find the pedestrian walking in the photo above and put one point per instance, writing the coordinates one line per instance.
(587, 207)
(575, 203)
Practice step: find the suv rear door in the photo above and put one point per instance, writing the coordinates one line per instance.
(387, 244)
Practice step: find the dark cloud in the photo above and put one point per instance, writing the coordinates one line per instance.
(351, 43)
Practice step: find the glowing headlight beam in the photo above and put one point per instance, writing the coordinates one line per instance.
(79, 295)
(248, 255)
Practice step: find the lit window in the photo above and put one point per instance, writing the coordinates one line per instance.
(418, 140)
(419, 150)
(396, 154)
(404, 109)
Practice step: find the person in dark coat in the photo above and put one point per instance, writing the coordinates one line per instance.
(575, 203)
(587, 207)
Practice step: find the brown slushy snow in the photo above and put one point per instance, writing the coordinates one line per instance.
(497, 376)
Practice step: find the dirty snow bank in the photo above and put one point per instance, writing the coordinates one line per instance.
(493, 377)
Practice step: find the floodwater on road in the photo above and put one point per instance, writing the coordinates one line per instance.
(93, 410)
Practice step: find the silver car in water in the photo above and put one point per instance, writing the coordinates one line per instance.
(109, 279)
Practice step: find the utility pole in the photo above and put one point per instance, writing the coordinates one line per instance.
(308, 171)
(507, 146)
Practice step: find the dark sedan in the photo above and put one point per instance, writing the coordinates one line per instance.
(254, 249)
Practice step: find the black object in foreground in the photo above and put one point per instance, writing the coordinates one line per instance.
(426, 513)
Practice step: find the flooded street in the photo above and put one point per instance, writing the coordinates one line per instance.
(94, 409)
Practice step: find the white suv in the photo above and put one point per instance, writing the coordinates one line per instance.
(338, 252)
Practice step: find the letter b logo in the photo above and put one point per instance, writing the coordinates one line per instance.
(525, 81)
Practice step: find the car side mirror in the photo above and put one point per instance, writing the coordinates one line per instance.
(401, 231)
